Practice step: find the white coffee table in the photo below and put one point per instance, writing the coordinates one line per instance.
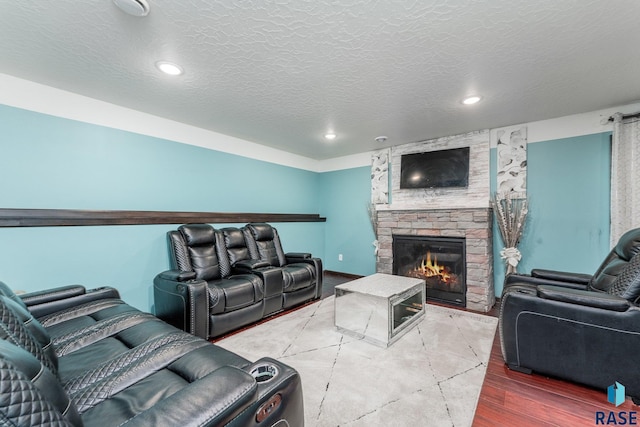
(379, 308)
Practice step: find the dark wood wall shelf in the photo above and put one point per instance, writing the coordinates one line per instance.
(71, 217)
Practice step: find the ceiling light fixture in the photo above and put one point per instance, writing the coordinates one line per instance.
(470, 100)
(381, 139)
(330, 136)
(169, 68)
(133, 7)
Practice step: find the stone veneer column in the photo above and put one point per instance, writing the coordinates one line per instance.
(474, 224)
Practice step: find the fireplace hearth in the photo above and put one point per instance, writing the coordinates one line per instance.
(439, 261)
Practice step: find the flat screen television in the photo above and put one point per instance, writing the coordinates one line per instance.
(435, 169)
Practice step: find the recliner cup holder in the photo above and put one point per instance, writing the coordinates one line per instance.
(264, 372)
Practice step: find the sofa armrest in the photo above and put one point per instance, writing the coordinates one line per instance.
(273, 280)
(246, 265)
(42, 303)
(213, 400)
(520, 279)
(295, 255)
(271, 277)
(48, 295)
(562, 276)
(279, 398)
(317, 265)
(178, 275)
(585, 298)
(183, 304)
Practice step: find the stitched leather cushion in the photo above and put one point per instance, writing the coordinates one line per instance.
(233, 237)
(297, 276)
(197, 234)
(235, 245)
(269, 252)
(233, 293)
(627, 284)
(31, 394)
(200, 240)
(20, 328)
(6, 291)
(261, 231)
(629, 244)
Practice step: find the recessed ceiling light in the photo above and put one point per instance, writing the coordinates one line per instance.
(169, 68)
(330, 136)
(133, 7)
(470, 100)
(381, 139)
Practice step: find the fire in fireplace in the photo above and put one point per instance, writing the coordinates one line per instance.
(439, 261)
(436, 275)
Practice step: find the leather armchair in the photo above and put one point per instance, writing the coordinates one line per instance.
(200, 294)
(578, 327)
(302, 272)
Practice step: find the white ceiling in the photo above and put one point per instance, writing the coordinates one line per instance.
(284, 72)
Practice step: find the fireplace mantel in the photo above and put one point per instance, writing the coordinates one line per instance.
(426, 205)
(474, 224)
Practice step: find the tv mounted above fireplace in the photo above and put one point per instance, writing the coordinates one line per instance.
(435, 169)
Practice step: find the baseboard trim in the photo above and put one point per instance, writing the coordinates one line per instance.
(347, 275)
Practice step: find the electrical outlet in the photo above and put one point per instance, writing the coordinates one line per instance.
(339, 257)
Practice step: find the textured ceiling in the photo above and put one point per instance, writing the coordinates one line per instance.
(283, 73)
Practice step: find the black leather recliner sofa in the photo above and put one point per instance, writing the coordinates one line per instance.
(221, 280)
(302, 274)
(577, 327)
(71, 357)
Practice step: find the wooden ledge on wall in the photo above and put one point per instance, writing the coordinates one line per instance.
(71, 217)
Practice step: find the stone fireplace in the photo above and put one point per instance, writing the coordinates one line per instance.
(445, 215)
(472, 224)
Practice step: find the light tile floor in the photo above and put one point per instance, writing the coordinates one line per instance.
(430, 377)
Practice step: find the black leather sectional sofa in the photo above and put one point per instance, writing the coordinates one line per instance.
(224, 279)
(71, 357)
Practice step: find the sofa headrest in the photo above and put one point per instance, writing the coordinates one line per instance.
(41, 396)
(629, 244)
(627, 284)
(18, 326)
(8, 292)
(198, 234)
(233, 238)
(261, 231)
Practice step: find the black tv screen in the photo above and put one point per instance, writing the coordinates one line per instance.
(435, 169)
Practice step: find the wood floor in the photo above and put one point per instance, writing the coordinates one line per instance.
(510, 398)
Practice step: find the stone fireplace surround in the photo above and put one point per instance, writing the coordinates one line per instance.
(474, 224)
(439, 212)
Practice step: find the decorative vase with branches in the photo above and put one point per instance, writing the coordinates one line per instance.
(373, 217)
(511, 213)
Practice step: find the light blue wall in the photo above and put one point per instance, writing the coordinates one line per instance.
(568, 225)
(50, 162)
(568, 191)
(345, 196)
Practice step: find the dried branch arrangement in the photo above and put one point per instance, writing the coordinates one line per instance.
(373, 217)
(511, 213)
